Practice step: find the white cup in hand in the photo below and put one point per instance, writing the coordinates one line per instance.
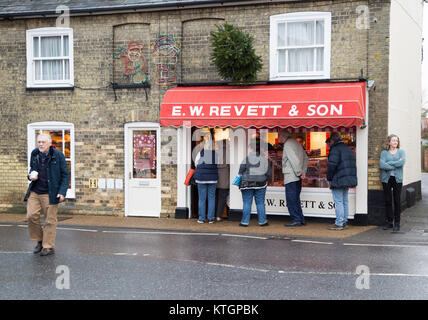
(34, 175)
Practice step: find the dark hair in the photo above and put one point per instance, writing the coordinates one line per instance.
(335, 136)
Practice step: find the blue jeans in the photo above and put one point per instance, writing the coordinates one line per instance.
(340, 197)
(292, 197)
(247, 199)
(206, 190)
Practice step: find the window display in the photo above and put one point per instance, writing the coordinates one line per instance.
(312, 141)
(144, 164)
(317, 151)
(61, 141)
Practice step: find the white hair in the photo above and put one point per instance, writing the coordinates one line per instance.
(45, 135)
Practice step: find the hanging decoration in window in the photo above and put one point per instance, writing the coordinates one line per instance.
(135, 62)
(165, 50)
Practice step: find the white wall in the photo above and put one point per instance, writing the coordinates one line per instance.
(405, 90)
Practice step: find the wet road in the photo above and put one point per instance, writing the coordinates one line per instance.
(109, 263)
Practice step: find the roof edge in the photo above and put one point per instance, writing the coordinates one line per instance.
(139, 7)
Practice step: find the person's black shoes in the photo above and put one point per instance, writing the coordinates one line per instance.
(396, 227)
(38, 247)
(264, 224)
(387, 226)
(243, 225)
(47, 252)
(294, 224)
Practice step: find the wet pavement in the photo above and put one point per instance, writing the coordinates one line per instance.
(121, 263)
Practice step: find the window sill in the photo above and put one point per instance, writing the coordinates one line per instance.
(130, 86)
(49, 88)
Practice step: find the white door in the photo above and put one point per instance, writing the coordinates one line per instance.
(142, 170)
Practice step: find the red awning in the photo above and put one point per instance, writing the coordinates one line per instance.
(277, 105)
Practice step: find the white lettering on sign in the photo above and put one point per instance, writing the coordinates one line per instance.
(196, 110)
(225, 111)
(252, 111)
(214, 110)
(238, 113)
(264, 109)
(323, 110)
(275, 109)
(176, 111)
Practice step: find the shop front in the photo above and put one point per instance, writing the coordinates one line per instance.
(234, 115)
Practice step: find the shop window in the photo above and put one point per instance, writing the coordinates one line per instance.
(50, 58)
(300, 46)
(317, 151)
(312, 141)
(62, 139)
(144, 152)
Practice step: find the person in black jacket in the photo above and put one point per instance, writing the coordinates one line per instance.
(49, 178)
(342, 175)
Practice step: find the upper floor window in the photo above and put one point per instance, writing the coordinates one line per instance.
(50, 57)
(300, 46)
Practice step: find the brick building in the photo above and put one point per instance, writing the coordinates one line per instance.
(97, 81)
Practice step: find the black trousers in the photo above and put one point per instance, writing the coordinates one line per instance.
(392, 193)
(221, 201)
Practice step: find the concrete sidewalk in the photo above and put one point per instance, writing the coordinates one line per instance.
(276, 227)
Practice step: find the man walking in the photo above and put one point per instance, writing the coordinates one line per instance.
(342, 174)
(49, 182)
(294, 164)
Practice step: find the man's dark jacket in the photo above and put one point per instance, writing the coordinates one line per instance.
(342, 169)
(57, 170)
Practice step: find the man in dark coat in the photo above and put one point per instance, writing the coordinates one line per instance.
(49, 182)
(342, 175)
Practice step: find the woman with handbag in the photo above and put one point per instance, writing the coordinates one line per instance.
(255, 171)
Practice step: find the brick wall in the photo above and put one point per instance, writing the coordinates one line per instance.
(99, 113)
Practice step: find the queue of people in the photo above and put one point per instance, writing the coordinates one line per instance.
(255, 171)
(49, 178)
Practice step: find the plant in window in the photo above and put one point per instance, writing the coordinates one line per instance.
(233, 54)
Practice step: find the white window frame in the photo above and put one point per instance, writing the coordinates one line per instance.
(299, 17)
(49, 32)
(32, 128)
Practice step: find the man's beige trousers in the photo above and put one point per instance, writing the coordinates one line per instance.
(35, 204)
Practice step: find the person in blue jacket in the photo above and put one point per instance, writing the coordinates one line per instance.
(206, 178)
(392, 160)
(49, 178)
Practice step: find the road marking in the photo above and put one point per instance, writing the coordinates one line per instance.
(14, 252)
(22, 226)
(125, 254)
(242, 236)
(385, 245)
(75, 229)
(310, 241)
(165, 232)
(5, 225)
(344, 273)
(237, 267)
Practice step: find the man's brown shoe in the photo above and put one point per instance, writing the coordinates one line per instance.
(38, 247)
(47, 251)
